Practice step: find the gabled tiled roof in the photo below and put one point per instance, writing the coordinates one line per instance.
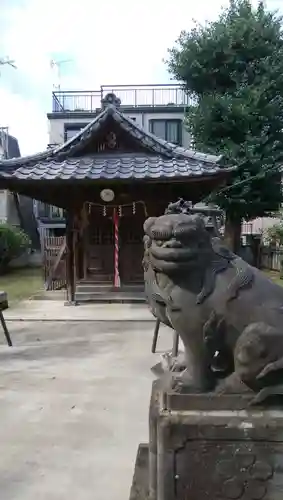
(160, 158)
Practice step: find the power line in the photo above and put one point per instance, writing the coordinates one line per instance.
(259, 175)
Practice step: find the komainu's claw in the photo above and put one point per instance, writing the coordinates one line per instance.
(271, 367)
(276, 390)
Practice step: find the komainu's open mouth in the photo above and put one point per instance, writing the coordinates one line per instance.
(173, 243)
(172, 253)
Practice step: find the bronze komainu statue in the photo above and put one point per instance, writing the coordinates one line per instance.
(228, 314)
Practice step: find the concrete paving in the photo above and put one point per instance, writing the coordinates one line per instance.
(51, 310)
(74, 406)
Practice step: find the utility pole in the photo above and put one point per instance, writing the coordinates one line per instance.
(4, 131)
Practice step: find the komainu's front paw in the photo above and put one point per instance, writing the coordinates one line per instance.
(184, 382)
(271, 368)
(267, 392)
(232, 385)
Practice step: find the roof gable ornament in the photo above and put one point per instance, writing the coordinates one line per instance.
(110, 100)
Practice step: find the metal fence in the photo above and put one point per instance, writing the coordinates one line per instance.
(271, 258)
(130, 96)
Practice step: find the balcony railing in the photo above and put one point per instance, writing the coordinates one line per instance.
(130, 96)
(44, 211)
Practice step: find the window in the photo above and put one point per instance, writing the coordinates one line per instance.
(71, 133)
(73, 129)
(170, 130)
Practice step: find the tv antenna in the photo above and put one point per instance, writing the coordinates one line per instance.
(56, 66)
(6, 61)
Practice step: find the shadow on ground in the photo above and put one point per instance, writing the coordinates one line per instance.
(74, 407)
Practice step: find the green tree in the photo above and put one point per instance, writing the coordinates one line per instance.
(13, 243)
(234, 69)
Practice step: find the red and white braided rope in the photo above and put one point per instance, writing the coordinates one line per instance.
(117, 282)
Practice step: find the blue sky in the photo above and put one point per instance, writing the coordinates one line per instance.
(116, 42)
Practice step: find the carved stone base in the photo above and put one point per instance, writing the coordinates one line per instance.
(139, 489)
(213, 447)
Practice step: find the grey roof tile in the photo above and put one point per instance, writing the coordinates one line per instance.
(124, 166)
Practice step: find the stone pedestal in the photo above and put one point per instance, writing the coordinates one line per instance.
(213, 447)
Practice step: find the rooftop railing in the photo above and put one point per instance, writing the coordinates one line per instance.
(130, 95)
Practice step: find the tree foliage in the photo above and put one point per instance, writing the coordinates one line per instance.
(13, 243)
(274, 234)
(234, 68)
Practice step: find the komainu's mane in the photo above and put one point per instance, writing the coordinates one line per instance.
(222, 260)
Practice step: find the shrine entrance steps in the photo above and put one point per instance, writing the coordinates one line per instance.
(103, 292)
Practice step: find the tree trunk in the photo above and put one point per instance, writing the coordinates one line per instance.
(232, 233)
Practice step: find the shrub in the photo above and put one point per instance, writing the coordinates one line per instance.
(274, 234)
(13, 243)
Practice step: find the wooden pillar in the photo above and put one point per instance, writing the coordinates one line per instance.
(85, 241)
(85, 252)
(70, 274)
(79, 249)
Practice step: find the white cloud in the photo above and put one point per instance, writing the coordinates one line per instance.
(114, 42)
(26, 121)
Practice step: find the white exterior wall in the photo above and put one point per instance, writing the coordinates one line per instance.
(260, 225)
(56, 126)
(3, 206)
(8, 212)
(12, 213)
(3, 199)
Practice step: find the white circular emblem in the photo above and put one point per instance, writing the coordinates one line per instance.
(107, 195)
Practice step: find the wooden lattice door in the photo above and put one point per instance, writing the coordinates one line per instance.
(101, 250)
(131, 249)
